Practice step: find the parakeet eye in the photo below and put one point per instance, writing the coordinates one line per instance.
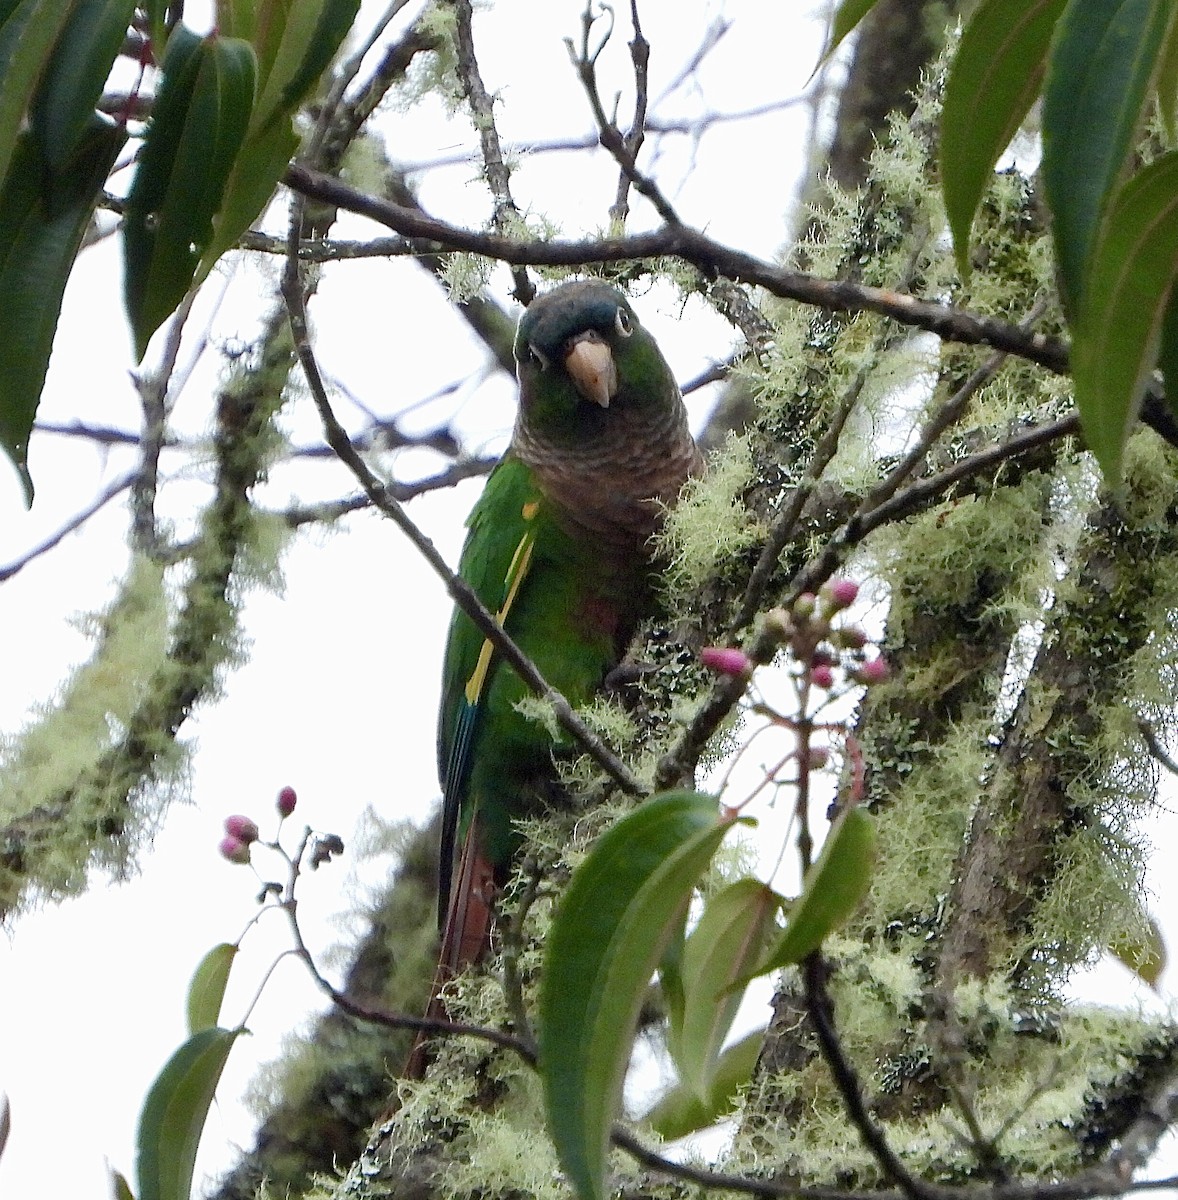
(622, 323)
(537, 357)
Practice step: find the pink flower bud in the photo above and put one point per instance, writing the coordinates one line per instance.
(725, 660)
(822, 676)
(287, 799)
(840, 593)
(241, 829)
(875, 671)
(234, 849)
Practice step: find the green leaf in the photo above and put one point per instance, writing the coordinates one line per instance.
(1115, 342)
(1143, 952)
(41, 228)
(993, 80)
(238, 18)
(848, 16)
(1167, 83)
(207, 989)
(76, 73)
(119, 1187)
(251, 183)
(680, 1111)
(1168, 352)
(728, 941)
(157, 29)
(28, 29)
(197, 129)
(335, 19)
(313, 32)
(671, 978)
(298, 41)
(834, 888)
(174, 1114)
(1102, 63)
(621, 907)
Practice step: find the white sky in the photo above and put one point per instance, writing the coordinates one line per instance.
(339, 695)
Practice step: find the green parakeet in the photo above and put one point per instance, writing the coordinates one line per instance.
(559, 548)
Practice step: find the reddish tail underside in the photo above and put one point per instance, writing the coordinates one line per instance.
(465, 939)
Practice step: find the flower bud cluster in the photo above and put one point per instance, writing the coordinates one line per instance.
(241, 832)
(810, 628)
(823, 646)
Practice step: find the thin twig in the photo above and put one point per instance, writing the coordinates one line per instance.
(820, 1010)
(712, 37)
(949, 414)
(1154, 745)
(693, 127)
(784, 526)
(74, 523)
(511, 935)
(710, 256)
(153, 398)
(506, 216)
(584, 63)
(640, 60)
(393, 1020)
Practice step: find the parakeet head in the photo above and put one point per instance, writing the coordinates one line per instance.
(581, 349)
(601, 424)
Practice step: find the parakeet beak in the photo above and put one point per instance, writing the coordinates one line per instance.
(590, 362)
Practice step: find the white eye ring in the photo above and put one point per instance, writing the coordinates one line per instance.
(537, 357)
(622, 323)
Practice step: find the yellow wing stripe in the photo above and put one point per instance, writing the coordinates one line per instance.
(515, 573)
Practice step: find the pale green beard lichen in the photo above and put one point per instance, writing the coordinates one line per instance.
(41, 768)
(709, 525)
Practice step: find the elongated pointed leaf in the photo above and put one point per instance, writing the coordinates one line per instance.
(28, 29)
(334, 20)
(239, 19)
(1116, 337)
(681, 1111)
(726, 944)
(671, 982)
(120, 1189)
(39, 239)
(292, 63)
(207, 989)
(1102, 64)
(197, 129)
(175, 1112)
(157, 30)
(1168, 352)
(252, 182)
(1167, 82)
(74, 78)
(834, 889)
(994, 78)
(846, 18)
(610, 930)
(1143, 953)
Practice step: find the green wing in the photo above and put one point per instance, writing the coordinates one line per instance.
(495, 562)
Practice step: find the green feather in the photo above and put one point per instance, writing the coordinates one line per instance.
(557, 548)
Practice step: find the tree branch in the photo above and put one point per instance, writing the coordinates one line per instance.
(710, 256)
(506, 214)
